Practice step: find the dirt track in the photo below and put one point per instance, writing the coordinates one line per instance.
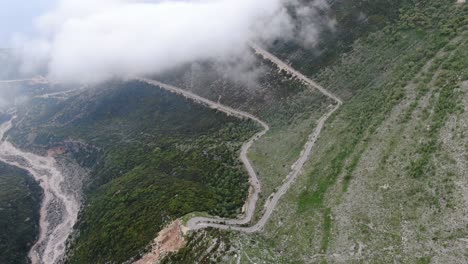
(234, 224)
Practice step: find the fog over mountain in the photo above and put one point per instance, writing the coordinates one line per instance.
(92, 41)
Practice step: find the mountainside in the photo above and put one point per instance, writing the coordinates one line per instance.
(387, 180)
(152, 157)
(385, 124)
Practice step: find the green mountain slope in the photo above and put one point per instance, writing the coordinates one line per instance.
(19, 214)
(153, 157)
(290, 108)
(386, 179)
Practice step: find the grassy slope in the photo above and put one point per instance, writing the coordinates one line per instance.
(19, 214)
(351, 19)
(385, 180)
(342, 210)
(158, 157)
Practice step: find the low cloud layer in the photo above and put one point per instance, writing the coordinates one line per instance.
(92, 41)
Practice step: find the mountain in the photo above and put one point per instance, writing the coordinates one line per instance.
(357, 143)
(146, 151)
(385, 180)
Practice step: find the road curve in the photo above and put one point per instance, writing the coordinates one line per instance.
(234, 224)
(270, 205)
(255, 187)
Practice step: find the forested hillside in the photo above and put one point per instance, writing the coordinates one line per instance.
(152, 156)
(20, 197)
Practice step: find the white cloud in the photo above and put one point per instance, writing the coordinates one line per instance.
(94, 40)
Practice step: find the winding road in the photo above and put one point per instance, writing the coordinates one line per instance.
(255, 189)
(59, 209)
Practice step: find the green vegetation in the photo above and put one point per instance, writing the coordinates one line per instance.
(446, 104)
(383, 183)
(156, 157)
(351, 20)
(19, 214)
(327, 225)
(204, 248)
(381, 95)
